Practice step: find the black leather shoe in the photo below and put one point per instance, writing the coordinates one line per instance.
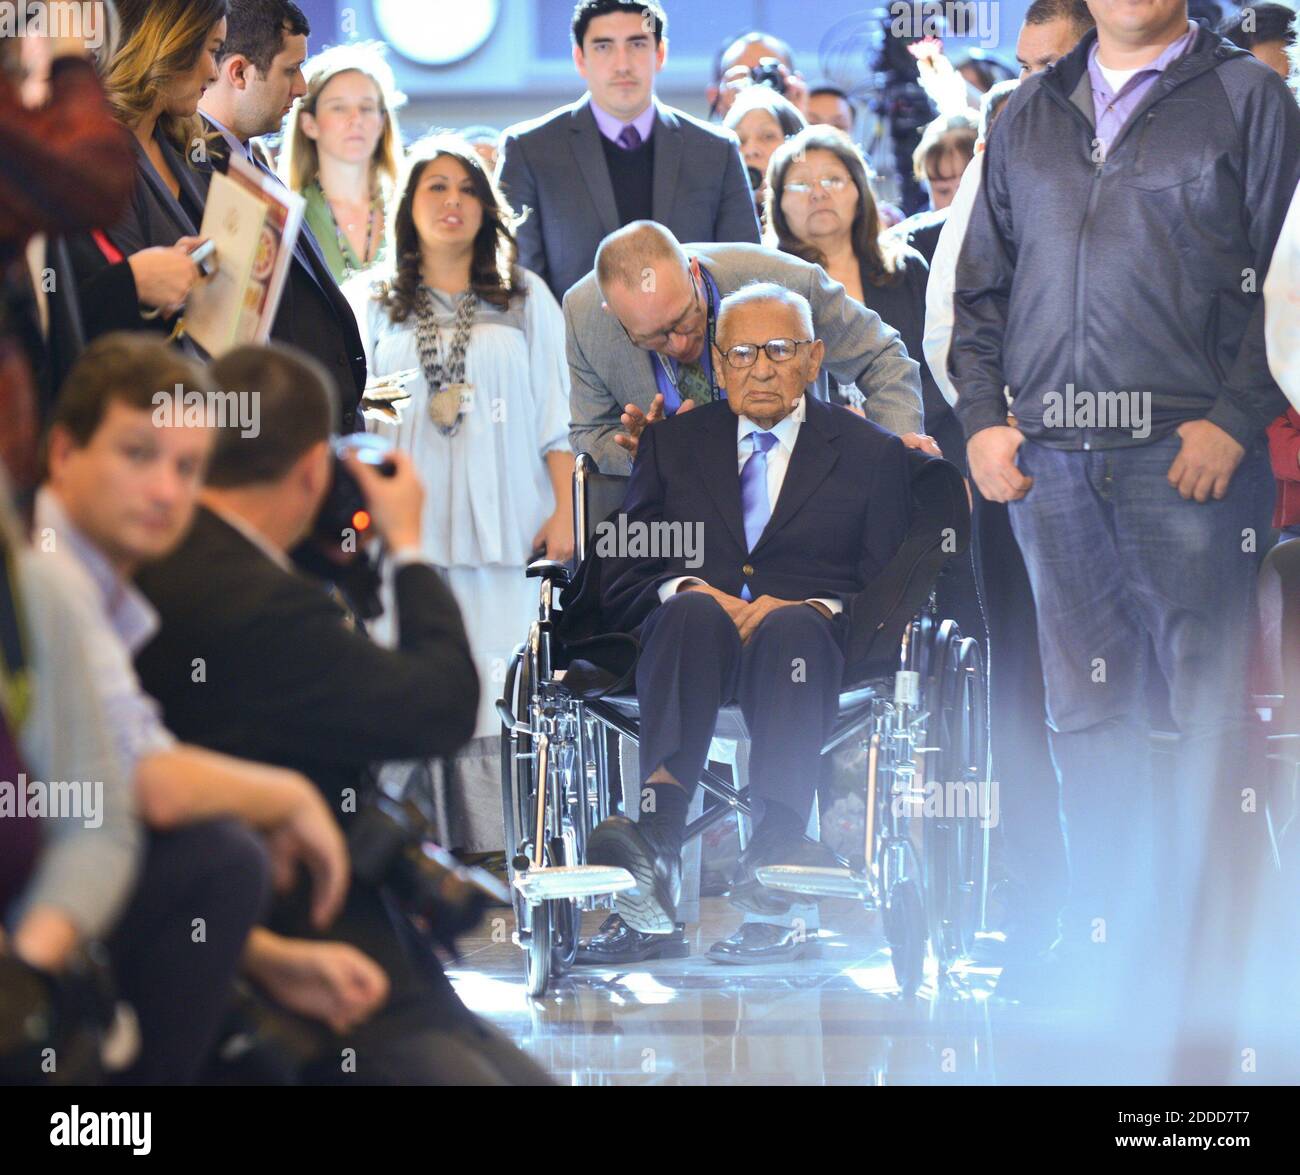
(616, 943)
(760, 942)
(653, 855)
(773, 848)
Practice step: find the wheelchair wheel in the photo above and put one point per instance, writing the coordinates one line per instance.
(905, 929)
(566, 919)
(956, 845)
(538, 955)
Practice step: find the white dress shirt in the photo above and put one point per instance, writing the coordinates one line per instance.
(1282, 306)
(778, 461)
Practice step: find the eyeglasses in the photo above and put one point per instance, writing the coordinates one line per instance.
(655, 341)
(828, 183)
(778, 350)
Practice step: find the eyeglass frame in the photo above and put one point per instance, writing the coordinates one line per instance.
(764, 348)
(827, 183)
(664, 335)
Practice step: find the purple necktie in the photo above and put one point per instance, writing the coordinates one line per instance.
(629, 138)
(753, 493)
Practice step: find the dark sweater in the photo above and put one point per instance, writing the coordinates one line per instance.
(902, 306)
(632, 174)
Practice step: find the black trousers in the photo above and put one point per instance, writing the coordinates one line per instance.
(176, 951)
(786, 679)
(423, 1034)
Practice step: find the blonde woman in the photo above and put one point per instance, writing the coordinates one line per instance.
(341, 153)
(136, 274)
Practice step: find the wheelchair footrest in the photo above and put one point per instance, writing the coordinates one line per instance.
(815, 880)
(553, 882)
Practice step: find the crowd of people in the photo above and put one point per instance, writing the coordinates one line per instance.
(686, 300)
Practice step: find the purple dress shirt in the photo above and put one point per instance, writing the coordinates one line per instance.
(1112, 110)
(612, 127)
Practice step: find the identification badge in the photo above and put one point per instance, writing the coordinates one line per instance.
(447, 403)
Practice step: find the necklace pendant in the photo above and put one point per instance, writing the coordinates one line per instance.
(449, 403)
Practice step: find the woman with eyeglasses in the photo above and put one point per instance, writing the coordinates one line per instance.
(487, 426)
(820, 207)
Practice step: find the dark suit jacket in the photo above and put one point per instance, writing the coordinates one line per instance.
(843, 510)
(314, 315)
(285, 679)
(106, 289)
(555, 166)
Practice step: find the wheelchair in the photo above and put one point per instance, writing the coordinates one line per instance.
(918, 709)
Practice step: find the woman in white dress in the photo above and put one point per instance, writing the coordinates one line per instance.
(487, 426)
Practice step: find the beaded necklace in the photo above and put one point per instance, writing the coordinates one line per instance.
(345, 247)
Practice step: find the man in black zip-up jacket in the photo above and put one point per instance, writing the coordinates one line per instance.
(1110, 280)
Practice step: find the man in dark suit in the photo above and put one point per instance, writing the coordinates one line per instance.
(259, 77)
(251, 654)
(767, 513)
(618, 155)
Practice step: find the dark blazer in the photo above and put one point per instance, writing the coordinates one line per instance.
(314, 315)
(902, 306)
(843, 510)
(555, 166)
(154, 218)
(285, 679)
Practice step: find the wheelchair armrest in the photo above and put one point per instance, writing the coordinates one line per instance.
(549, 569)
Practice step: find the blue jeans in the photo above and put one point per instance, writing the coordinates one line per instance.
(1119, 562)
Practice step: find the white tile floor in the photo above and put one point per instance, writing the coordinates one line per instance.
(833, 1020)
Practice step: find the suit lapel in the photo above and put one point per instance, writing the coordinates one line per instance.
(584, 141)
(810, 464)
(720, 469)
(306, 250)
(167, 203)
(668, 163)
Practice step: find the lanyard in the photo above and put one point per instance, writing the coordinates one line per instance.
(666, 375)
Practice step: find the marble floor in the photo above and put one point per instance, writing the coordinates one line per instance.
(832, 1020)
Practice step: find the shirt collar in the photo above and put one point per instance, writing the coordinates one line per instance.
(612, 127)
(785, 432)
(253, 535)
(1159, 65)
(245, 149)
(131, 616)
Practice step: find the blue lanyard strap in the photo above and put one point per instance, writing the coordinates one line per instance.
(666, 376)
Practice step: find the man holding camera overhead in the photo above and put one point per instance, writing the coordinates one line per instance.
(618, 155)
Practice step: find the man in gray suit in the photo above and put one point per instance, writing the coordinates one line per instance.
(618, 155)
(639, 324)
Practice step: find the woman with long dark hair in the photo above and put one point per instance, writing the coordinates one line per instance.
(487, 424)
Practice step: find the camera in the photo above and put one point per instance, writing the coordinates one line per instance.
(388, 847)
(73, 1015)
(768, 73)
(334, 551)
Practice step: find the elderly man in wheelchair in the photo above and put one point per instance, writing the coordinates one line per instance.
(771, 550)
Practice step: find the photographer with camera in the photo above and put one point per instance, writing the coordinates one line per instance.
(755, 59)
(286, 679)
